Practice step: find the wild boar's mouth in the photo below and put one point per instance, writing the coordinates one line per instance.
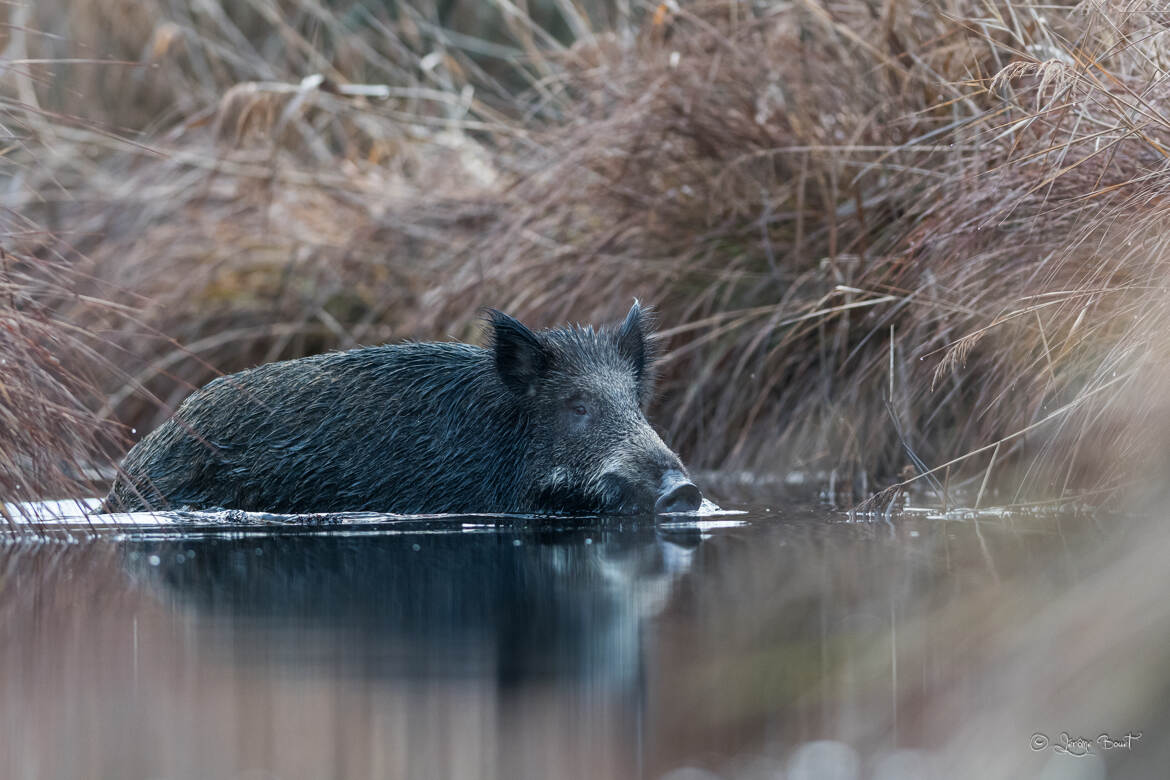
(619, 495)
(607, 494)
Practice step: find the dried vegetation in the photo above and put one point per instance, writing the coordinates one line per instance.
(879, 235)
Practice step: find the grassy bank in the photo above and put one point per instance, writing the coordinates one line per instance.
(881, 237)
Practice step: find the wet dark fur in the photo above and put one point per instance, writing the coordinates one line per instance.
(419, 428)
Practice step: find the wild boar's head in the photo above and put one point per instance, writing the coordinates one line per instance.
(590, 447)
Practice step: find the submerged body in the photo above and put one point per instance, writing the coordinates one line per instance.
(538, 422)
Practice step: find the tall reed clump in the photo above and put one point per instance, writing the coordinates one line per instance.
(257, 214)
(52, 364)
(878, 236)
(886, 237)
(52, 445)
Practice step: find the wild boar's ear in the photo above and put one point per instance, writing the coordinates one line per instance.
(634, 342)
(520, 357)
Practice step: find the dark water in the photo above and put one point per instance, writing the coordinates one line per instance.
(778, 643)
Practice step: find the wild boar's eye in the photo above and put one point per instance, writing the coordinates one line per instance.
(577, 413)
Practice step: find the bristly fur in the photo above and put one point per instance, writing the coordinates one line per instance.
(543, 422)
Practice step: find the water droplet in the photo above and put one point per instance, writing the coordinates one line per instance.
(154, 560)
(415, 547)
(516, 542)
(133, 430)
(588, 540)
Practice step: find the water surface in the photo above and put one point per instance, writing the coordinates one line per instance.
(781, 642)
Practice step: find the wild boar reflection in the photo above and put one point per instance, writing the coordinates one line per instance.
(516, 605)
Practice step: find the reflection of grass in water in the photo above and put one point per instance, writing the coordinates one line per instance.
(933, 642)
(830, 210)
(790, 672)
(760, 646)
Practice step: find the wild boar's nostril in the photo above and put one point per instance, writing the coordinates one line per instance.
(678, 494)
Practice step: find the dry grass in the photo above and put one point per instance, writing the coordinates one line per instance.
(51, 443)
(878, 235)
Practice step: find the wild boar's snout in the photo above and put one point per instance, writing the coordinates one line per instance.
(643, 475)
(677, 494)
